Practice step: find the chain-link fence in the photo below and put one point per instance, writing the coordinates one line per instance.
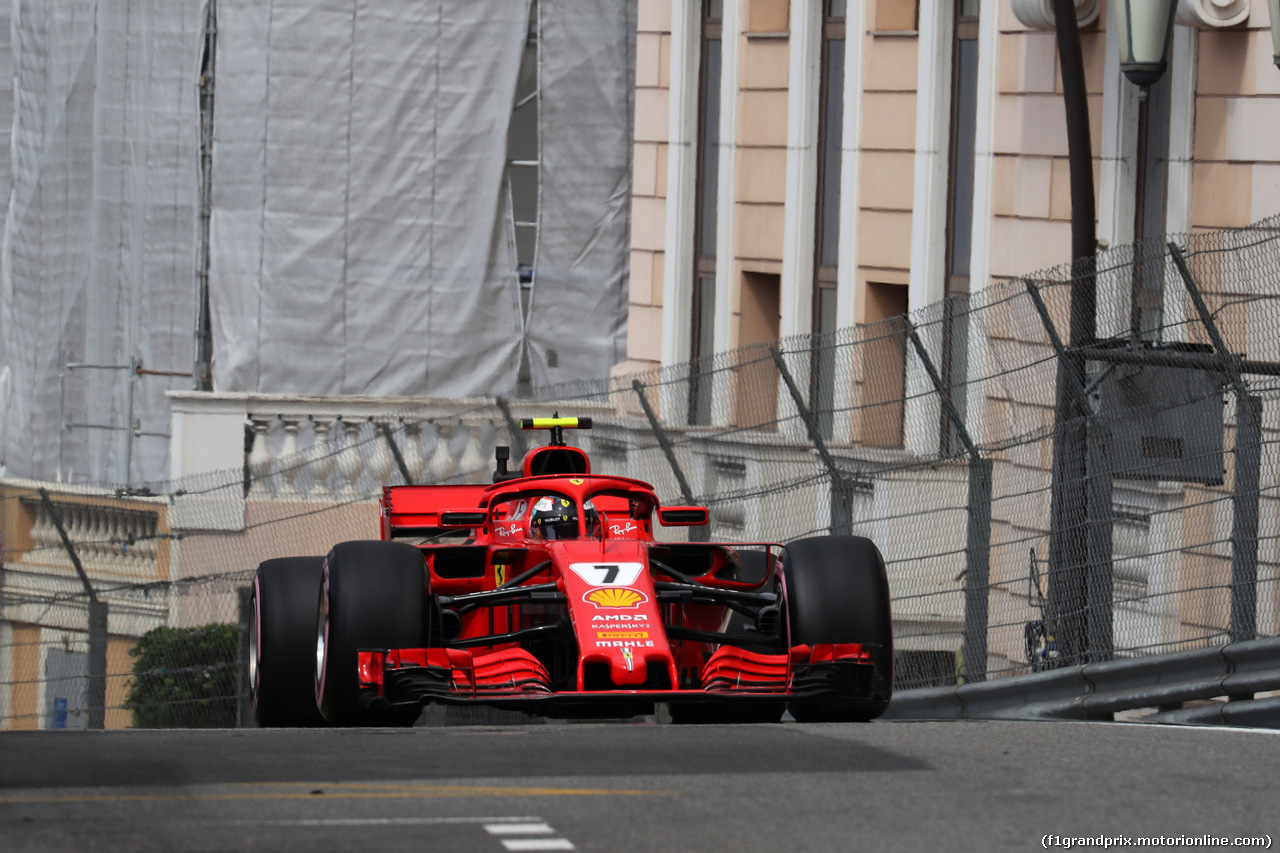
(1062, 468)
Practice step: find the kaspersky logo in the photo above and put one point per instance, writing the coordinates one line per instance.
(613, 598)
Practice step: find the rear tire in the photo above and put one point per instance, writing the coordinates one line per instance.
(838, 592)
(282, 642)
(373, 595)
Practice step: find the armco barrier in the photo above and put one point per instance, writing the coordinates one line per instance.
(1236, 671)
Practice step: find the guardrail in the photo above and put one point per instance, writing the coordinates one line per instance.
(1097, 691)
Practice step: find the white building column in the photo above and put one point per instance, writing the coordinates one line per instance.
(799, 216)
(804, 84)
(975, 410)
(726, 166)
(682, 176)
(847, 295)
(929, 213)
(1117, 190)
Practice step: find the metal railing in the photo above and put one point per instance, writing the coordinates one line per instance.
(935, 435)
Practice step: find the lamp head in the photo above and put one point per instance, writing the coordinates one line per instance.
(1273, 7)
(1144, 27)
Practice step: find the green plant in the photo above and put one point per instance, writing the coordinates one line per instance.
(184, 677)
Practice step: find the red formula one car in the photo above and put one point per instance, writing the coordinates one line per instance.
(546, 592)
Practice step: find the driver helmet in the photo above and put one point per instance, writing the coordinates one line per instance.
(592, 519)
(554, 518)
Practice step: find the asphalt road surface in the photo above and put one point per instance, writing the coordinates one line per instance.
(636, 787)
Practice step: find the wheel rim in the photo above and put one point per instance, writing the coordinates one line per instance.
(322, 634)
(255, 644)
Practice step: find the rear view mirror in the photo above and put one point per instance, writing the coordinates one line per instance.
(463, 518)
(683, 516)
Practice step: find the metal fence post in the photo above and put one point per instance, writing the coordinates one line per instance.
(131, 388)
(696, 534)
(244, 707)
(1071, 504)
(841, 491)
(977, 549)
(663, 442)
(977, 571)
(1248, 462)
(97, 664)
(97, 624)
(395, 451)
(1244, 526)
(1099, 578)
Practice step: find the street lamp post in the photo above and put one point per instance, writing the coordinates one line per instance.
(1068, 504)
(1143, 29)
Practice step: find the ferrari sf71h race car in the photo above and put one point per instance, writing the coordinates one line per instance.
(546, 592)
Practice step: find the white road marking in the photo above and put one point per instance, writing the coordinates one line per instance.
(518, 829)
(538, 844)
(531, 828)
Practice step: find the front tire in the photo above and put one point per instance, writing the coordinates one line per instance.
(838, 592)
(372, 596)
(281, 642)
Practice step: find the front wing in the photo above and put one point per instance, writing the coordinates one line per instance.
(513, 676)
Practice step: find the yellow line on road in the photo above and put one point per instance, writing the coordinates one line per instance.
(329, 792)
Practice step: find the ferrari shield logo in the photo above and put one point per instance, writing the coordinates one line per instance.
(499, 574)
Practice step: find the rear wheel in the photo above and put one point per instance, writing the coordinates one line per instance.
(282, 642)
(838, 592)
(372, 596)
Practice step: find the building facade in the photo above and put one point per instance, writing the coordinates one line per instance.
(809, 165)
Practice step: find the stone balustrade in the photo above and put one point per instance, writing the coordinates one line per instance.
(111, 541)
(330, 448)
(123, 544)
(324, 456)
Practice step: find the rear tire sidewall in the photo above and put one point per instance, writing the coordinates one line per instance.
(283, 638)
(838, 592)
(373, 595)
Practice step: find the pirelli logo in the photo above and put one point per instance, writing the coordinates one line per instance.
(622, 635)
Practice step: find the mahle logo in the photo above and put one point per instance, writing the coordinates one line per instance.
(613, 598)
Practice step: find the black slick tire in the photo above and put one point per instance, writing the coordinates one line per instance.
(282, 642)
(838, 592)
(373, 595)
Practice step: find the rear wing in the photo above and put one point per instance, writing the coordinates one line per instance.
(417, 510)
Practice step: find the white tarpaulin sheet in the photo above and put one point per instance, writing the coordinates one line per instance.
(361, 241)
(578, 311)
(359, 156)
(361, 238)
(99, 231)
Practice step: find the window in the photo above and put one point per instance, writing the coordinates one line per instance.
(755, 393)
(883, 353)
(827, 225)
(1147, 303)
(962, 157)
(704, 238)
(964, 111)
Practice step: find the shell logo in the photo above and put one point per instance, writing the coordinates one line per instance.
(614, 597)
